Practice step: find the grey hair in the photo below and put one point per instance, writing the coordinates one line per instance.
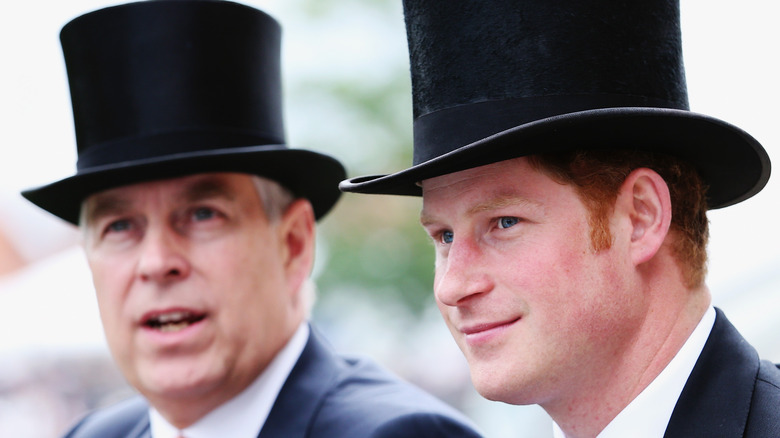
(274, 197)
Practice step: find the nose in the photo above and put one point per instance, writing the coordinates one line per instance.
(163, 258)
(461, 275)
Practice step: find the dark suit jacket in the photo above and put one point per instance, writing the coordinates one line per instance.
(325, 396)
(730, 392)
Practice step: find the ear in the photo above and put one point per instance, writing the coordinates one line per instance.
(297, 235)
(645, 197)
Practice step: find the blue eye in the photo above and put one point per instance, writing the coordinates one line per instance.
(447, 237)
(507, 221)
(118, 226)
(203, 213)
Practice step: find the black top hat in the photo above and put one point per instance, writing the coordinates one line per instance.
(498, 79)
(167, 88)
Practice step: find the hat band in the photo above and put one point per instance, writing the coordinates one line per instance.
(167, 144)
(443, 131)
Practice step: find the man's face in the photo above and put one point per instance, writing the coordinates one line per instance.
(197, 290)
(534, 309)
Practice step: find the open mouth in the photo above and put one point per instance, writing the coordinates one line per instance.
(173, 321)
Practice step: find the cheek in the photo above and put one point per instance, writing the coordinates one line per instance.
(587, 287)
(437, 276)
(113, 280)
(559, 274)
(110, 282)
(117, 326)
(249, 290)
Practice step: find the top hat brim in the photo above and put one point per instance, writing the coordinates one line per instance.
(305, 173)
(732, 163)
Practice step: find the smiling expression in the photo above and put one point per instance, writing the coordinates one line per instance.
(193, 283)
(523, 293)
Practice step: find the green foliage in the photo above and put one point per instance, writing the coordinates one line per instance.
(362, 115)
(375, 245)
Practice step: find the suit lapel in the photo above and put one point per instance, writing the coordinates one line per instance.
(141, 430)
(311, 378)
(716, 399)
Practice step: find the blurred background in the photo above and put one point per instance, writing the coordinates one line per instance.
(347, 93)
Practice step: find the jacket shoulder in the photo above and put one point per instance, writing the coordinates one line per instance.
(764, 417)
(128, 418)
(330, 395)
(369, 399)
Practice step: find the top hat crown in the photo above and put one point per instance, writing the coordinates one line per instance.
(499, 79)
(167, 88)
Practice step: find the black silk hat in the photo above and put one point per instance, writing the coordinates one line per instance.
(167, 88)
(498, 79)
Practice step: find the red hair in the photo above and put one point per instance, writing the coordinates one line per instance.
(597, 176)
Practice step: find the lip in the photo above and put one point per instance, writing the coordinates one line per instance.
(176, 337)
(485, 332)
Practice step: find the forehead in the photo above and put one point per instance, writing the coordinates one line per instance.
(503, 177)
(479, 175)
(512, 184)
(173, 190)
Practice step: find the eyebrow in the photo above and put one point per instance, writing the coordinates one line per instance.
(493, 203)
(502, 201)
(104, 205)
(111, 204)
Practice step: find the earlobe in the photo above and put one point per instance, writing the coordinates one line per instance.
(650, 211)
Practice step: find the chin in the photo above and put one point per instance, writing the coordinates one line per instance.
(503, 387)
(489, 384)
(178, 381)
(507, 395)
(493, 392)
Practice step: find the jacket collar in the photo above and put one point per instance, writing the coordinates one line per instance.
(704, 407)
(302, 393)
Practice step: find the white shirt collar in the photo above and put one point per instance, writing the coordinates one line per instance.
(648, 414)
(245, 413)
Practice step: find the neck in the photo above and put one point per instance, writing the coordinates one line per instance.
(184, 408)
(670, 317)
